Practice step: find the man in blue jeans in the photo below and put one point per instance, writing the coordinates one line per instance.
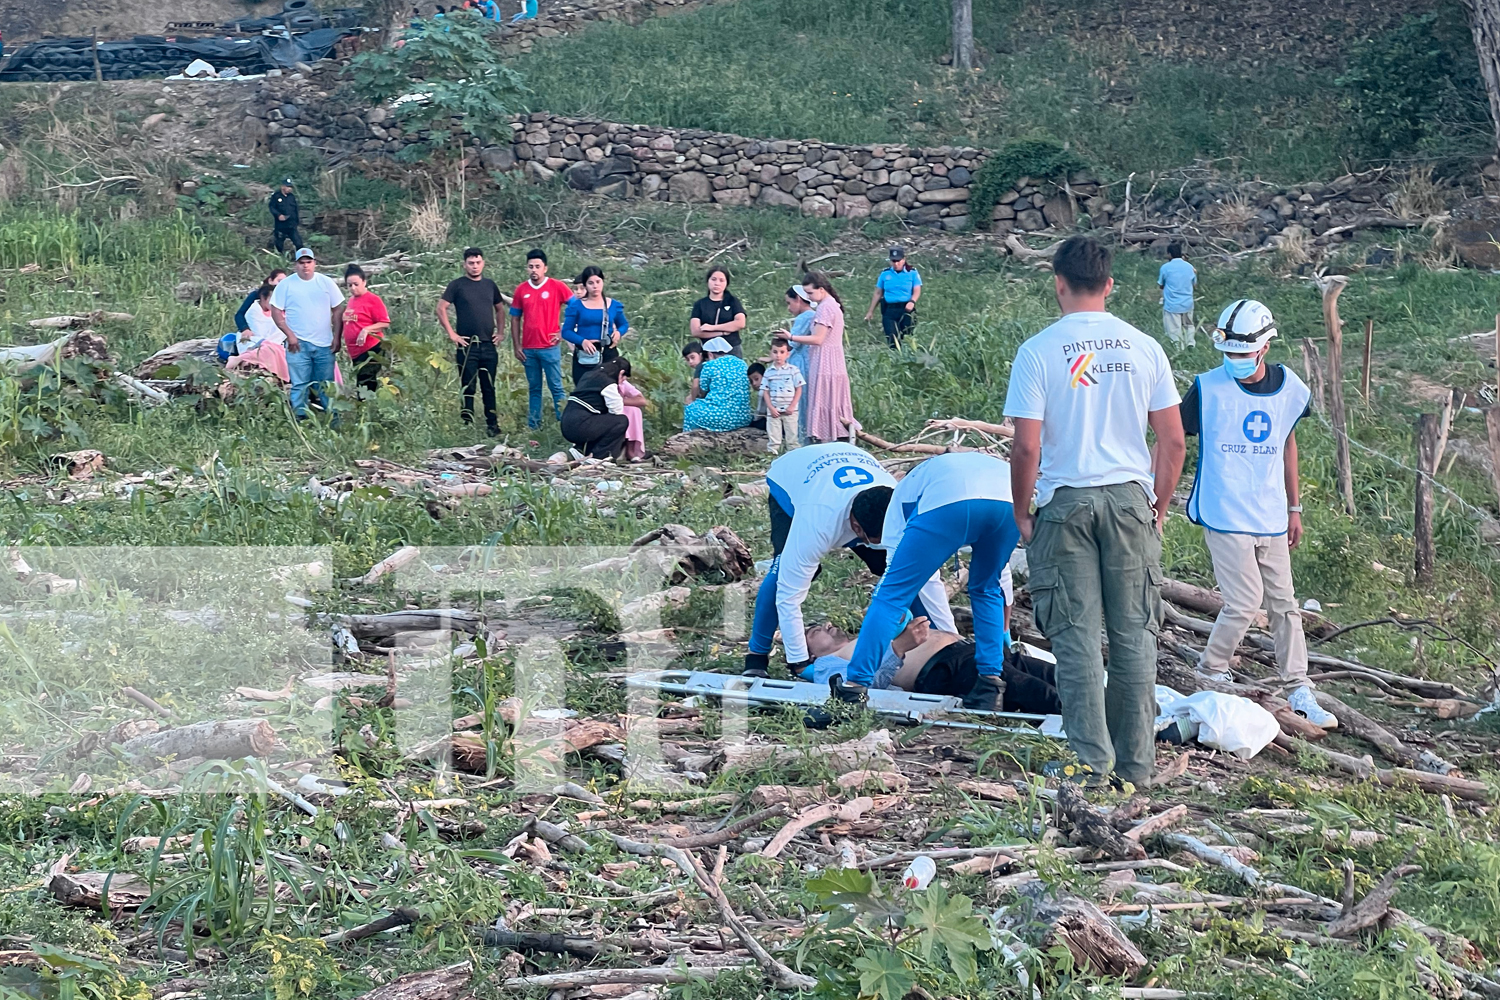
(535, 334)
(945, 503)
(308, 307)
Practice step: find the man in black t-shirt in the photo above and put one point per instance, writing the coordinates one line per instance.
(477, 303)
(719, 313)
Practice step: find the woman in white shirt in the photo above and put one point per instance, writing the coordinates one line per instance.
(262, 328)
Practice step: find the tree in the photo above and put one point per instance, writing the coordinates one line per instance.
(1484, 22)
(445, 77)
(963, 34)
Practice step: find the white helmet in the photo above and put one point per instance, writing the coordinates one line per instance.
(1245, 326)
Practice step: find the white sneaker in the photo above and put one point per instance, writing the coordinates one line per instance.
(1305, 704)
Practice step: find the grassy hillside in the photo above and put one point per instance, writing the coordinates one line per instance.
(869, 71)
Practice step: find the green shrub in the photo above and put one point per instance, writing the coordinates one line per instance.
(1039, 157)
(1415, 89)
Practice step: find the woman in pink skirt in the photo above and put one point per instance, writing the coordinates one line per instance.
(829, 404)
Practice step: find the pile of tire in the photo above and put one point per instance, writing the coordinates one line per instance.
(145, 56)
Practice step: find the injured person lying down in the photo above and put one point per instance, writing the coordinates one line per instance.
(924, 660)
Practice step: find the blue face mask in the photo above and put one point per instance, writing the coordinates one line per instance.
(1241, 367)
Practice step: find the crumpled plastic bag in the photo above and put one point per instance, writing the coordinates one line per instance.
(1223, 721)
(199, 67)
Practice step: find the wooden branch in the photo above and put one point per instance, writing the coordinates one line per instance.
(846, 812)
(1332, 287)
(1492, 429)
(912, 447)
(1376, 906)
(1390, 747)
(1364, 767)
(1203, 852)
(1312, 364)
(1364, 378)
(1093, 826)
(1017, 248)
(401, 916)
(1427, 443)
(1155, 824)
(557, 944)
(962, 424)
(729, 832)
(656, 976)
(780, 975)
(146, 701)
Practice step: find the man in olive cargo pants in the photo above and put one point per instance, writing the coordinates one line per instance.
(1082, 394)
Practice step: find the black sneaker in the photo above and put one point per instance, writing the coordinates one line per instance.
(757, 665)
(987, 695)
(849, 693)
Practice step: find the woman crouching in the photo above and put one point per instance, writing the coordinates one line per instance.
(594, 419)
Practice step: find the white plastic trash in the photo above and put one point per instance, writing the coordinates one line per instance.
(199, 68)
(919, 873)
(1226, 722)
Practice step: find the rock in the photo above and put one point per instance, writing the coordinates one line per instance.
(1380, 257)
(817, 206)
(926, 215)
(290, 111)
(1492, 170)
(906, 197)
(1030, 220)
(663, 142)
(1009, 196)
(618, 189)
(887, 209)
(1472, 232)
(954, 223)
(689, 186)
(540, 172)
(734, 197)
(943, 196)
(775, 197)
(1002, 212)
(881, 192)
(852, 206)
(960, 176)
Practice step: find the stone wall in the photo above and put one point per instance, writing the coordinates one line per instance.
(923, 186)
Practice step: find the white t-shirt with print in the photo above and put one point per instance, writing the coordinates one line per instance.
(309, 304)
(1090, 378)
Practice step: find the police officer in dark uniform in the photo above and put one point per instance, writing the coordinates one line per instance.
(285, 217)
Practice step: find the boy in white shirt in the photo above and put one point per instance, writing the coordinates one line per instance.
(781, 392)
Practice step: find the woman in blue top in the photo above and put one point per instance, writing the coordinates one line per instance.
(593, 324)
(724, 381)
(800, 305)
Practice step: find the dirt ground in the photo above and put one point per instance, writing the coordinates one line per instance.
(1245, 31)
(22, 20)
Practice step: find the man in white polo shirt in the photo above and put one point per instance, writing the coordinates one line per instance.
(1082, 394)
(308, 307)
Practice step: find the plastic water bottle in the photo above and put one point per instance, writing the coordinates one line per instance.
(919, 873)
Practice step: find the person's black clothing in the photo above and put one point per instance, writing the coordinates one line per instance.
(367, 369)
(587, 422)
(896, 321)
(711, 313)
(477, 365)
(597, 435)
(1030, 683)
(284, 229)
(1269, 384)
(474, 305)
(580, 370)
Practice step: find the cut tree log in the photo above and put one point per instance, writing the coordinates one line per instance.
(685, 553)
(228, 739)
(1093, 826)
(204, 351)
(69, 322)
(403, 556)
(90, 889)
(746, 441)
(1155, 824)
(1056, 917)
(1364, 767)
(1202, 600)
(1375, 908)
(452, 982)
(396, 622)
(1390, 747)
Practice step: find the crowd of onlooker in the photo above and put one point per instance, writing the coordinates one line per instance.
(296, 324)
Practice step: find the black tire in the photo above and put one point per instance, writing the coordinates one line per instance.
(303, 22)
(298, 6)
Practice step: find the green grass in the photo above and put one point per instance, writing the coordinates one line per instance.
(862, 71)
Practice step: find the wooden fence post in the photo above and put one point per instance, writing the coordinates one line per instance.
(1492, 425)
(1364, 381)
(1428, 431)
(1332, 287)
(1312, 363)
